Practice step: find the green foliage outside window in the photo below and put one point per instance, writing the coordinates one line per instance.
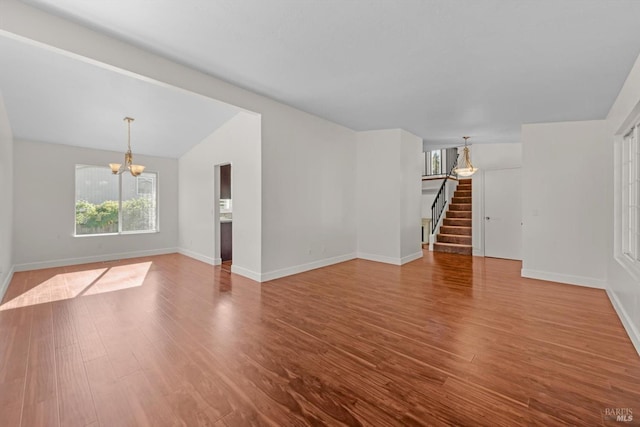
(137, 214)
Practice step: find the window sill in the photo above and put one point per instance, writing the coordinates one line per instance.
(124, 233)
(633, 268)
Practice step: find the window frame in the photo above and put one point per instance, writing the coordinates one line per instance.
(627, 198)
(138, 183)
(120, 232)
(429, 170)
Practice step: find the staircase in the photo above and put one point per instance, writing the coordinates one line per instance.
(455, 232)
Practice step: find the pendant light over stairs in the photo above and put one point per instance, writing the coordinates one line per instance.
(466, 169)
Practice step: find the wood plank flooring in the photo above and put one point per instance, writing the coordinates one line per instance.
(444, 340)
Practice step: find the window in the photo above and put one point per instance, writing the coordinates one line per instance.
(435, 162)
(630, 196)
(111, 204)
(145, 184)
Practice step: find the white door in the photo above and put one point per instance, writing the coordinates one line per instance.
(503, 214)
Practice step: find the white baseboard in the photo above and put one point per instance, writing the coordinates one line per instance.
(569, 279)
(200, 257)
(5, 284)
(89, 259)
(631, 329)
(245, 272)
(390, 260)
(380, 258)
(412, 257)
(276, 274)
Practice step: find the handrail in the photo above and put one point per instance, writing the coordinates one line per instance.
(440, 201)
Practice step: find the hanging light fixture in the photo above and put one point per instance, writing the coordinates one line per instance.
(118, 168)
(466, 168)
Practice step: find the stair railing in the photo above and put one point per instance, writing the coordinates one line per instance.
(440, 201)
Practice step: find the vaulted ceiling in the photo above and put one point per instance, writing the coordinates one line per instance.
(57, 98)
(438, 68)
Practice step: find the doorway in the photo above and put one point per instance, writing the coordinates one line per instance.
(503, 214)
(225, 207)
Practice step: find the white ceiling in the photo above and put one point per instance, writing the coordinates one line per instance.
(51, 97)
(438, 68)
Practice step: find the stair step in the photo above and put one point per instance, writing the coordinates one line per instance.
(453, 248)
(465, 181)
(457, 199)
(460, 207)
(459, 193)
(453, 238)
(458, 214)
(462, 231)
(457, 222)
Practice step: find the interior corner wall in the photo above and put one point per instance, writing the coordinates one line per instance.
(44, 208)
(492, 156)
(564, 192)
(388, 196)
(236, 142)
(6, 200)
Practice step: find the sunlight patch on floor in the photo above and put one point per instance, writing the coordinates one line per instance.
(78, 283)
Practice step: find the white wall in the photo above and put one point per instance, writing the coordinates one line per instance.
(378, 182)
(411, 165)
(308, 192)
(44, 208)
(488, 157)
(389, 196)
(623, 286)
(236, 142)
(6, 200)
(565, 182)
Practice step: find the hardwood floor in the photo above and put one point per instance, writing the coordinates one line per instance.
(445, 340)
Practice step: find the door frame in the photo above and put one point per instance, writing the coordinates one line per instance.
(217, 250)
(479, 220)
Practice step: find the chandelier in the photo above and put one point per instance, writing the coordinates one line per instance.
(128, 165)
(466, 168)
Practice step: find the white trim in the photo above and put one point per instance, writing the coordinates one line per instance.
(97, 258)
(633, 333)
(156, 180)
(200, 257)
(477, 213)
(249, 274)
(380, 258)
(569, 279)
(276, 274)
(629, 266)
(7, 281)
(412, 257)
